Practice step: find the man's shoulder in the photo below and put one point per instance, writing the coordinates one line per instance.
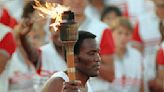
(60, 74)
(55, 82)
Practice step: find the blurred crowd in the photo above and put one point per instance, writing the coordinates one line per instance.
(129, 34)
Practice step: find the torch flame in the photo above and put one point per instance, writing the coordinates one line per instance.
(53, 10)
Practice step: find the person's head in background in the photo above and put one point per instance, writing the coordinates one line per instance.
(97, 4)
(110, 13)
(159, 3)
(78, 7)
(30, 17)
(122, 31)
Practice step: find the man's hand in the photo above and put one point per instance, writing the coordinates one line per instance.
(24, 28)
(22, 31)
(72, 86)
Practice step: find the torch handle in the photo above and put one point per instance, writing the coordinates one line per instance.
(70, 62)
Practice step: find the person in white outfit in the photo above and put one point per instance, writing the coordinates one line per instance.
(127, 62)
(156, 85)
(147, 37)
(87, 64)
(128, 65)
(7, 48)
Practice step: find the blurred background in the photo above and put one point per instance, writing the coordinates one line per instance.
(129, 33)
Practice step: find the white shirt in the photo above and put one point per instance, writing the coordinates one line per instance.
(4, 31)
(64, 76)
(150, 34)
(128, 72)
(20, 75)
(4, 75)
(51, 62)
(4, 81)
(94, 26)
(14, 7)
(91, 11)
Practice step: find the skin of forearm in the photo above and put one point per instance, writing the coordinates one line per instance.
(107, 73)
(3, 62)
(31, 51)
(107, 68)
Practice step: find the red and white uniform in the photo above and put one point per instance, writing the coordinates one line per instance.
(10, 12)
(160, 56)
(147, 33)
(20, 74)
(7, 47)
(51, 62)
(128, 72)
(64, 76)
(6, 19)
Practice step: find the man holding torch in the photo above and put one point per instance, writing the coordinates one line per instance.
(87, 61)
(54, 49)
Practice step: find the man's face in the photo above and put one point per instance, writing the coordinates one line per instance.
(159, 3)
(88, 59)
(121, 36)
(77, 6)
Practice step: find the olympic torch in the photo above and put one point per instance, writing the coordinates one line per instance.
(62, 20)
(69, 36)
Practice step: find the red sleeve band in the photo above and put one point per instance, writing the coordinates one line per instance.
(8, 44)
(107, 44)
(136, 35)
(160, 57)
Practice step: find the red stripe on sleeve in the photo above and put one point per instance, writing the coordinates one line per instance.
(39, 69)
(136, 35)
(126, 12)
(107, 44)
(7, 20)
(8, 44)
(160, 57)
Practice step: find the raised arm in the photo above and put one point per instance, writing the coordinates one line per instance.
(107, 51)
(31, 51)
(7, 48)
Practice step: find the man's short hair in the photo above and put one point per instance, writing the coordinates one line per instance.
(110, 9)
(82, 36)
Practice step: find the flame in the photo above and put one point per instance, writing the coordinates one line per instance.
(53, 10)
